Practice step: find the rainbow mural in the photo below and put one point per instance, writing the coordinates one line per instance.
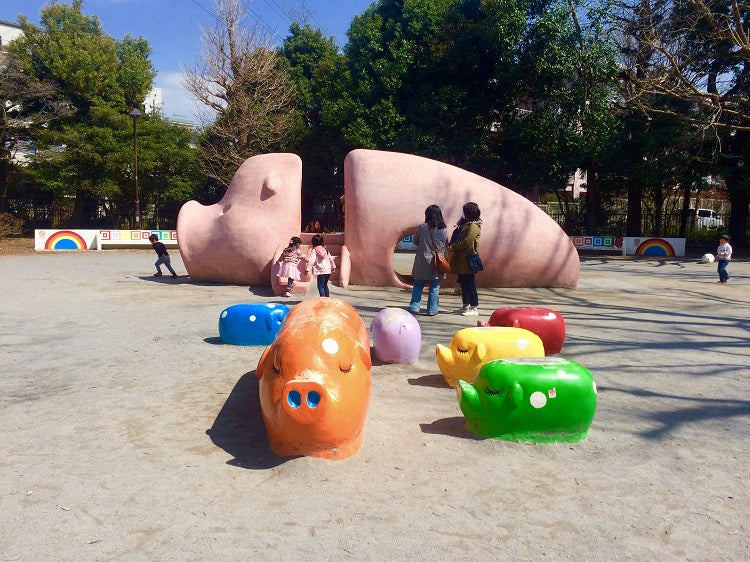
(655, 247)
(65, 240)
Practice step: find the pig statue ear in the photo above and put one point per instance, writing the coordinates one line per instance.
(365, 356)
(260, 369)
(480, 351)
(275, 319)
(515, 395)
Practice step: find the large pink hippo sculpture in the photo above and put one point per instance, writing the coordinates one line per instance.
(387, 193)
(234, 240)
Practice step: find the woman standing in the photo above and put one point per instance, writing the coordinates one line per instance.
(468, 238)
(432, 229)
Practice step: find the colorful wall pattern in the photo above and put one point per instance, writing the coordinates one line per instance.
(597, 242)
(632, 245)
(96, 239)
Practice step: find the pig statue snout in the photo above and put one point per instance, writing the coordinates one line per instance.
(304, 401)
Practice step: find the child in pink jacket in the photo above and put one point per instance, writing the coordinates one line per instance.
(320, 263)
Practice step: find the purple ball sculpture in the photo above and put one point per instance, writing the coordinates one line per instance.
(396, 336)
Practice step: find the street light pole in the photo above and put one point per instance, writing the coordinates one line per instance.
(135, 114)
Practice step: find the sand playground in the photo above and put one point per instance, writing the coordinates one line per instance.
(131, 432)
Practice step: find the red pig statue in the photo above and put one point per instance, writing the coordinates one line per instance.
(315, 381)
(544, 322)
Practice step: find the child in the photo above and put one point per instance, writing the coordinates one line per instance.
(161, 251)
(320, 262)
(290, 257)
(723, 257)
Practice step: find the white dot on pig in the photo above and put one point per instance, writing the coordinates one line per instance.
(252, 318)
(330, 346)
(538, 399)
(523, 344)
(224, 314)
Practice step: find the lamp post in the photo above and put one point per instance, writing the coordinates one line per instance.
(135, 114)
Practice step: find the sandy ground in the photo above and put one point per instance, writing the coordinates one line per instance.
(130, 432)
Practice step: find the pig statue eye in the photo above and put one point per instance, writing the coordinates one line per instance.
(464, 351)
(491, 392)
(345, 369)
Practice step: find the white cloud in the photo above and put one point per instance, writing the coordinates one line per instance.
(176, 100)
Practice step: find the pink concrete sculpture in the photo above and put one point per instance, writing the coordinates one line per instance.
(234, 240)
(387, 193)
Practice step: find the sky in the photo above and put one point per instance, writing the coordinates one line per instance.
(173, 28)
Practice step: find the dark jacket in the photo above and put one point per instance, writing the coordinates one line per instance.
(468, 238)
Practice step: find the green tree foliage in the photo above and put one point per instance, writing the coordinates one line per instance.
(313, 62)
(88, 157)
(89, 66)
(696, 70)
(97, 166)
(567, 75)
(26, 104)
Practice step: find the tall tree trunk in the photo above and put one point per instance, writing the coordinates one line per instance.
(685, 215)
(739, 197)
(634, 224)
(593, 200)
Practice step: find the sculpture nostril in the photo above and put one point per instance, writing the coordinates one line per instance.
(294, 399)
(313, 399)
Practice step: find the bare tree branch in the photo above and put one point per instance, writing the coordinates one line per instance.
(248, 98)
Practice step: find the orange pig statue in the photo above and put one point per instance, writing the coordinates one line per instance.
(315, 381)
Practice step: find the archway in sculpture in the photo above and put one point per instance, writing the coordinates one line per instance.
(387, 193)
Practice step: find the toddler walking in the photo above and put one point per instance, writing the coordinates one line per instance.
(320, 262)
(723, 257)
(290, 257)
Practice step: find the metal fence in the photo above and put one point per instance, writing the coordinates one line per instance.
(614, 224)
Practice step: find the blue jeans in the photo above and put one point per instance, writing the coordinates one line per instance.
(468, 289)
(722, 270)
(432, 296)
(323, 284)
(166, 261)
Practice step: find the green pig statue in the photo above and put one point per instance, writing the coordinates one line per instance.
(530, 400)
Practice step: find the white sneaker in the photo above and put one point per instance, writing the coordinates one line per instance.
(462, 309)
(470, 311)
(287, 294)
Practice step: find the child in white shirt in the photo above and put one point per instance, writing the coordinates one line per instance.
(723, 257)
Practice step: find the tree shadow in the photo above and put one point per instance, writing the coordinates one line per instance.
(239, 428)
(700, 410)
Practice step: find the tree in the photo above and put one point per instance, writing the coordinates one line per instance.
(701, 60)
(248, 96)
(97, 166)
(313, 62)
(26, 104)
(89, 67)
(100, 79)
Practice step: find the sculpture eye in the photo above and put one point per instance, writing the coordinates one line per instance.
(491, 392)
(344, 369)
(464, 351)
